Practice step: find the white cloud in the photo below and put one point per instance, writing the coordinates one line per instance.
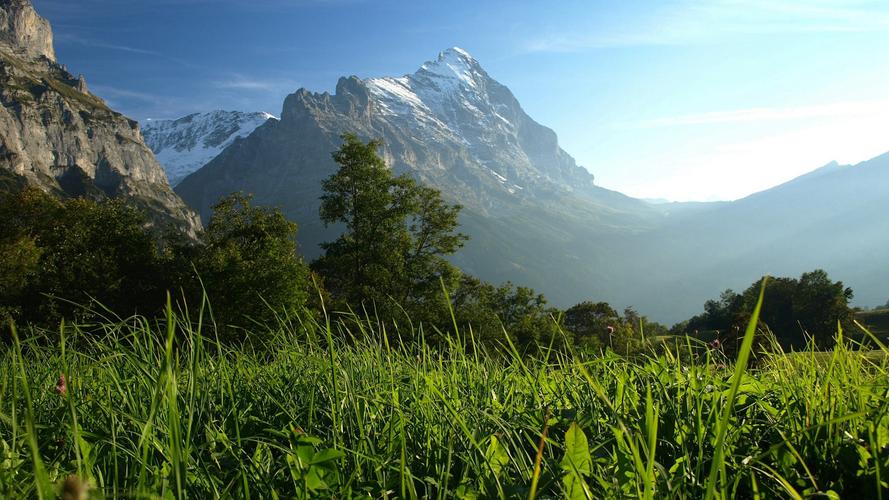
(684, 22)
(110, 92)
(71, 38)
(240, 82)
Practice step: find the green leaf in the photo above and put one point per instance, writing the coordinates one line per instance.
(577, 463)
(496, 456)
(325, 456)
(577, 451)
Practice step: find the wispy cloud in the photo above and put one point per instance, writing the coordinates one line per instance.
(113, 93)
(84, 8)
(240, 82)
(684, 22)
(75, 39)
(71, 38)
(842, 109)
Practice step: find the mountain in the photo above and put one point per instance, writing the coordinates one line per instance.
(24, 32)
(832, 218)
(56, 135)
(187, 144)
(537, 218)
(534, 215)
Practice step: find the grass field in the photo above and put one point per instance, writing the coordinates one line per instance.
(877, 321)
(160, 411)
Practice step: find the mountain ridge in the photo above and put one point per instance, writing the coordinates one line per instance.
(523, 196)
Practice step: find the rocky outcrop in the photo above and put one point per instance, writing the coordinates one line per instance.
(450, 125)
(58, 136)
(23, 31)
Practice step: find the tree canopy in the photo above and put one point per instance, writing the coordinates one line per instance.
(795, 310)
(59, 259)
(392, 253)
(248, 264)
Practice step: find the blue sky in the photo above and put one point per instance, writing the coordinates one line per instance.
(684, 100)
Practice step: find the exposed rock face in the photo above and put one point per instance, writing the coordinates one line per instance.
(187, 144)
(24, 31)
(532, 213)
(58, 136)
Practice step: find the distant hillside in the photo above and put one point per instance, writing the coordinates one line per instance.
(876, 321)
(832, 218)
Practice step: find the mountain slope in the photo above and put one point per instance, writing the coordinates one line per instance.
(534, 216)
(56, 135)
(832, 218)
(187, 144)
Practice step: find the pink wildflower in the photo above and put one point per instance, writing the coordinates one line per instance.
(61, 385)
(715, 344)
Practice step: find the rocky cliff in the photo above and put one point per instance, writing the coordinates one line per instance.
(58, 136)
(23, 31)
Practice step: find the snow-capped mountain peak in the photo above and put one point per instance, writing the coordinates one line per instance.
(188, 143)
(453, 65)
(452, 99)
(448, 123)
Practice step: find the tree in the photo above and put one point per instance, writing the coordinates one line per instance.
(597, 325)
(518, 311)
(719, 315)
(433, 232)
(61, 258)
(593, 324)
(19, 258)
(793, 309)
(811, 305)
(247, 262)
(397, 234)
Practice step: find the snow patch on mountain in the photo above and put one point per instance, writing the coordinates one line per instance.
(184, 145)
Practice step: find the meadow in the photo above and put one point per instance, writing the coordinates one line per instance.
(341, 407)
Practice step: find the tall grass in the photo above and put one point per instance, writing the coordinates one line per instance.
(339, 408)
